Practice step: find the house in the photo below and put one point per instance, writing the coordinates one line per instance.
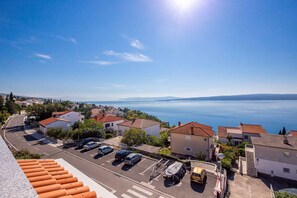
(243, 132)
(46, 124)
(192, 139)
(274, 155)
(292, 133)
(152, 128)
(71, 116)
(109, 121)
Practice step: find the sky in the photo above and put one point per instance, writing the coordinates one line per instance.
(111, 49)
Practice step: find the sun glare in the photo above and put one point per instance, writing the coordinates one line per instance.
(184, 5)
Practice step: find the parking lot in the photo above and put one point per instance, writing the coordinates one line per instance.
(142, 172)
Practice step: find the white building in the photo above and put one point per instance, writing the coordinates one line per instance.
(152, 128)
(46, 124)
(109, 121)
(274, 155)
(71, 116)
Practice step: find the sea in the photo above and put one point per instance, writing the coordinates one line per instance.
(273, 115)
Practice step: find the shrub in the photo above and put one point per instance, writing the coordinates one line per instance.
(284, 195)
(226, 163)
(25, 154)
(134, 137)
(165, 151)
(201, 156)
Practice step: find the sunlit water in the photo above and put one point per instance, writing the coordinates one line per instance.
(272, 114)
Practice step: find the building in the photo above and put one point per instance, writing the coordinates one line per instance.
(243, 132)
(292, 133)
(274, 155)
(109, 121)
(71, 116)
(152, 128)
(44, 178)
(192, 139)
(46, 124)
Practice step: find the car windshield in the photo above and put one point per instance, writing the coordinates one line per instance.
(174, 168)
(196, 175)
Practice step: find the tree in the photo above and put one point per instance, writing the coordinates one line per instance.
(1, 103)
(280, 132)
(284, 131)
(11, 97)
(229, 138)
(134, 137)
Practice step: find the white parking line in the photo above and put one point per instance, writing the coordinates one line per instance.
(125, 195)
(142, 173)
(45, 153)
(143, 159)
(142, 190)
(108, 161)
(136, 194)
(36, 148)
(94, 154)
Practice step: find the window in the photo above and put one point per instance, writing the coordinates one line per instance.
(246, 137)
(286, 170)
(111, 124)
(188, 149)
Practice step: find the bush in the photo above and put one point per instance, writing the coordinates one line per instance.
(165, 151)
(226, 163)
(25, 154)
(284, 195)
(134, 137)
(154, 141)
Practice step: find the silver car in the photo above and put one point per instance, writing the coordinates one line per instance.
(133, 158)
(90, 145)
(102, 150)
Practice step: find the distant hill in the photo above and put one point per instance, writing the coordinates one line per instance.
(246, 97)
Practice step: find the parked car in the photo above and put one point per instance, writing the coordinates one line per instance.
(198, 175)
(175, 171)
(91, 145)
(85, 141)
(122, 154)
(102, 150)
(133, 158)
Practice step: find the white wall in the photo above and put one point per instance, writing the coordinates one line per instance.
(57, 124)
(153, 130)
(73, 117)
(113, 125)
(266, 166)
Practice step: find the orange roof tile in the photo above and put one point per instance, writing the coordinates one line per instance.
(194, 128)
(51, 120)
(139, 123)
(252, 128)
(50, 180)
(102, 118)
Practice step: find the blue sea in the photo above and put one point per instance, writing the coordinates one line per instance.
(273, 115)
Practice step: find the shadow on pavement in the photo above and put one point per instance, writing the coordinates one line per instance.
(169, 183)
(126, 167)
(29, 138)
(97, 156)
(116, 162)
(198, 187)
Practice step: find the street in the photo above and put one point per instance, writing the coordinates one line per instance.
(122, 180)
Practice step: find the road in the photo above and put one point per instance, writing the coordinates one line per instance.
(124, 181)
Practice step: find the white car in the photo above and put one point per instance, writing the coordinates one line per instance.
(90, 145)
(102, 150)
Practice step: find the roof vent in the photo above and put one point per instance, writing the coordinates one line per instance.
(286, 141)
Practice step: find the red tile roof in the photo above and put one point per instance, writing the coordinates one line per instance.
(194, 128)
(51, 120)
(50, 180)
(107, 118)
(292, 133)
(222, 131)
(252, 128)
(139, 123)
(60, 113)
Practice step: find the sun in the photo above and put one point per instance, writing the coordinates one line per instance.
(183, 5)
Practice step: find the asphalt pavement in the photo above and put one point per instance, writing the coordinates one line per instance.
(122, 180)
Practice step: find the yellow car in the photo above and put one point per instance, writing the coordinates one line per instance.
(198, 175)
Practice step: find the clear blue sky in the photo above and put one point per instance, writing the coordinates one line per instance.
(104, 50)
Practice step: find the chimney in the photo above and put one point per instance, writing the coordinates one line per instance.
(286, 141)
(179, 123)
